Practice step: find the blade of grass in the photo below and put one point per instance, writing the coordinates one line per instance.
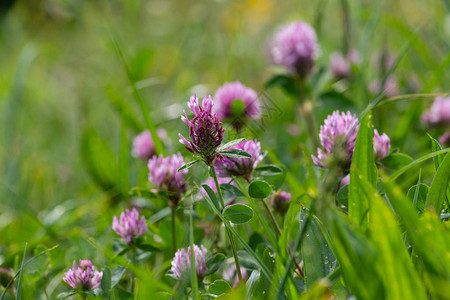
(363, 164)
(123, 158)
(416, 162)
(159, 147)
(261, 264)
(194, 280)
(26, 263)
(119, 104)
(297, 245)
(438, 190)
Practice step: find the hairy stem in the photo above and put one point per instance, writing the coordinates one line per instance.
(230, 237)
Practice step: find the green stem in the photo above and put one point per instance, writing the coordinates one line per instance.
(272, 217)
(174, 240)
(230, 237)
(278, 230)
(133, 261)
(306, 108)
(346, 35)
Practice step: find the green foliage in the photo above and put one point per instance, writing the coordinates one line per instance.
(259, 189)
(238, 213)
(363, 168)
(100, 72)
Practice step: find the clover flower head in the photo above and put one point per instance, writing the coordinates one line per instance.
(235, 100)
(181, 263)
(163, 172)
(344, 181)
(212, 184)
(338, 132)
(439, 112)
(243, 166)
(129, 226)
(445, 138)
(280, 202)
(354, 57)
(205, 130)
(84, 277)
(340, 66)
(143, 145)
(390, 86)
(296, 47)
(381, 145)
(230, 275)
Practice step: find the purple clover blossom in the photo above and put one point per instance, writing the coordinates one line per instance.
(345, 181)
(143, 145)
(280, 202)
(439, 112)
(339, 129)
(296, 48)
(353, 57)
(85, 277)
(229, 274)
(226, 97)
(212, 184)
(205, 130)
(341, 67)
(244, 166)
(181, 264)
(163, 172)
(129, 226)
(445, 138)
(381, 145)
(390, 87)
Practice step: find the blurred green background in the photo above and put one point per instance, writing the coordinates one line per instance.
(62, 83)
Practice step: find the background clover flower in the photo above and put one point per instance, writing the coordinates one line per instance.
(143, 145)
(228, 166)
(235, 100)
(381, 145)
(439, 112)
(211, 183)
(296, 48)
(229, 274)
(339, 130)
(280, 202)
(445, 138)
(181, 263)
(205, 130)
(390, 87)
(84, 277)
(163, 172)
(129, 226)
(340, 66)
